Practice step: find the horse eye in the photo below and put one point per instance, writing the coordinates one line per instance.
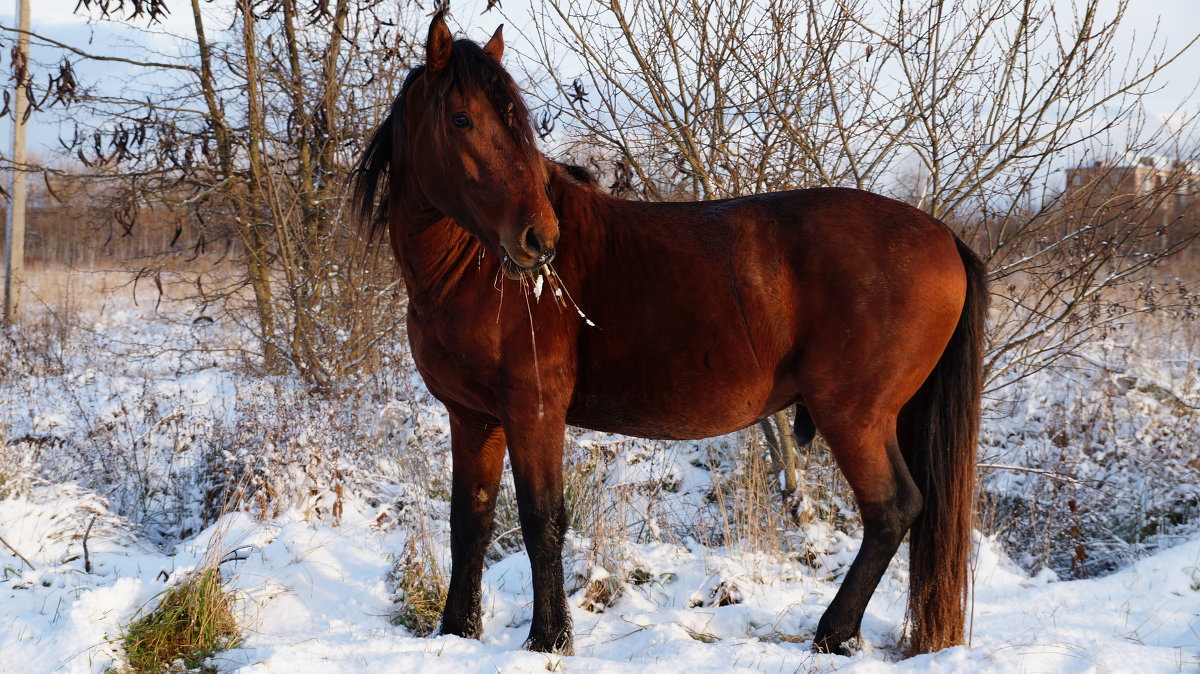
(461, 121)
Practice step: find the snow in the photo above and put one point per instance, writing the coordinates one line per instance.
(314, 598)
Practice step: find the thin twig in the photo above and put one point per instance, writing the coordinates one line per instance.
(97, 57)
(1038, 471)
(22, 557)
(87, 560)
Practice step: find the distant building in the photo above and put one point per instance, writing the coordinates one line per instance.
(1161, 192)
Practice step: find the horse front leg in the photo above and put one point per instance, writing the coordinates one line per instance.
(536, 453)
(477, 447)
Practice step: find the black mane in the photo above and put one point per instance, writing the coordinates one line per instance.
(380, 158)
(580, 174)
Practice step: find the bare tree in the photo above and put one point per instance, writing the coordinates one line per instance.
(252, 144)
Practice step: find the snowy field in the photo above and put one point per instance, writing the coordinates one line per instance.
(122, 424)
(315, 599)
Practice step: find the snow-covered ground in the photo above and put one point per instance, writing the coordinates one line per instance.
(134, 420)
(314, 598)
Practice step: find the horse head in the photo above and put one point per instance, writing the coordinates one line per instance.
(469, 149)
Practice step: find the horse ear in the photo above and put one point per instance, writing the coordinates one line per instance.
(495, 46)
(439, 44)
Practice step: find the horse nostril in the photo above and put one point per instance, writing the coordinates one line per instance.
(531, 241)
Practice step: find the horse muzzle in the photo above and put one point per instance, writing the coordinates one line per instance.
(515, 270)
(533, 249)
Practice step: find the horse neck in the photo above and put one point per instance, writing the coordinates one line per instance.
(435, 254)
(432, 250)
(588, 214)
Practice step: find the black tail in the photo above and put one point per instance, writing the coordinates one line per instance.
(939, 435)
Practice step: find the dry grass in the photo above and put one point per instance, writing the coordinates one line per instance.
(419, 588)
(64, 289)
(749, 511)
(193, 620)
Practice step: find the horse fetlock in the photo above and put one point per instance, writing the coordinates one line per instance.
(462, 613)
(559, 640)
(843, 639)
(467, 625)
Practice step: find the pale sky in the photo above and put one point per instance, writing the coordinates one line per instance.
(1180, 21)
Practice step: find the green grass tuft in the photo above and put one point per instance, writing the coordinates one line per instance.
(193, 620)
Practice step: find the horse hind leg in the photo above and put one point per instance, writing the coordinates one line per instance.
(889, 501)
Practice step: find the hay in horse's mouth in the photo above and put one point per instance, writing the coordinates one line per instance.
(515, 271)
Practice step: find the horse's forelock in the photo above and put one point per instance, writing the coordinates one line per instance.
(472, 68)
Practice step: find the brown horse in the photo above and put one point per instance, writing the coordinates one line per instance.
(701, 319)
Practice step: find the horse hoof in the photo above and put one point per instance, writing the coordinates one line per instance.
(832, 644)
(561, 644)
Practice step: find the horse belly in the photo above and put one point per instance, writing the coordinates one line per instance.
(693, 352)
(678, 400)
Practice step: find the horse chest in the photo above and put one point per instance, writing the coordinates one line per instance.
(459, 366)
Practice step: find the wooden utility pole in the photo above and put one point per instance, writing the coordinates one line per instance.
(14, 234)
